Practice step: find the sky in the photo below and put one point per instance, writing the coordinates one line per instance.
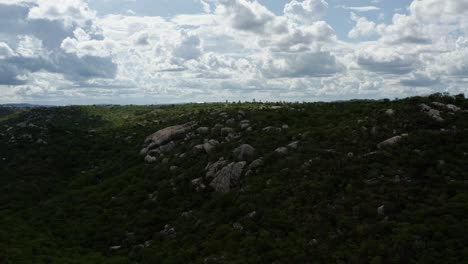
(174, 51)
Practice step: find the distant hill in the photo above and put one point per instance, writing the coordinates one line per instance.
(357, 181)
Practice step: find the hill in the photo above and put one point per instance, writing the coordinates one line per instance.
(345, 182)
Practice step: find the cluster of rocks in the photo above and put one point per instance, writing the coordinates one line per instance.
(436, 113)
(431, 112)
(163, 141)
(223, 175)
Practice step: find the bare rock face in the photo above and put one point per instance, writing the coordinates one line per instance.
(161, 141)
(228, 177)
(391, 141)
(213, 168)
(244, 152)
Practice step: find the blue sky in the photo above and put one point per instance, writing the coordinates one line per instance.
(172, 51)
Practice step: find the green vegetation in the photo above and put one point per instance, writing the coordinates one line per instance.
(74, 189)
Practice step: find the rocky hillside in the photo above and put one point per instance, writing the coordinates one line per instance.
(345, 182)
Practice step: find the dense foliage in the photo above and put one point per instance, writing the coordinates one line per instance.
(74, 189)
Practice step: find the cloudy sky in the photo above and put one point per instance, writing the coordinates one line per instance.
(166, 51)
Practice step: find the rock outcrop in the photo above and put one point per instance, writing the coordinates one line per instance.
(228, 177)
(391, 141)
(244, 152)
(162, 140)
(433, 113)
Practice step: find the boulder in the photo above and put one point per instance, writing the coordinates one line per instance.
(293, 145)
(167, 147)
(213, 168)
(282, 151)
(271, 129)
(391, 141)
(198, 184)
(210, 145)
(165, 135)
(453, 108)
(424, 107)
(244, 152)
(150, 159)
(203, 130)
(226, 130)
(435, 114)
(230, 122)
(228, 177)
(256, 164)
(390, 112)
(381, 210)
(244, 124)
(438, 104)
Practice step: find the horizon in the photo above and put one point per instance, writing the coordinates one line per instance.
(140, 52)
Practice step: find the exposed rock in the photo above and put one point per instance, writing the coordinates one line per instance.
(41, 142)
(425, 107)
(167, 147)
(150, 159)
(453, 108)
(438, 104)
(230, 122)
(168, 231)
(115, 247)
(271, 129)
(282, 151)
(390, 112)
(252, 214)
(198, 184)
(199, 148)
(213, 168)
(244, 124)
(166, 135)
(241, 113)
(218, 127)
(256, 164)
(381, 210)
(293, 145)
(244, 152)
(390, 142)
(237, 226)
(435, 114)
(285, 127)
(210, 145)
(226, 130)
(203, 130)
(228, 177)
(350, 154)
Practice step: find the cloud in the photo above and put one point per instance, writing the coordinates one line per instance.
(295, 65)
(362, 28)
(307, 11)
(34, 32)
(246, 15)
(233, 49)
(360, 8)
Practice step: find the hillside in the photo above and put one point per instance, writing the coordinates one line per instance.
(345, 182)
